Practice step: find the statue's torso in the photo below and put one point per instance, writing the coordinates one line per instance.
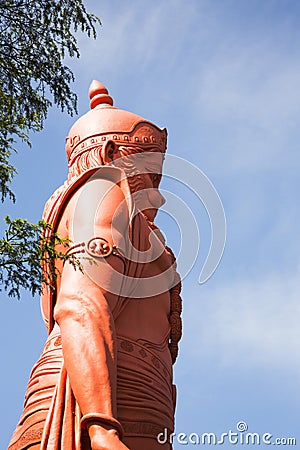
(142, 319)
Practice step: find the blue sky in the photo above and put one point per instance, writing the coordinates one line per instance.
(223, 77)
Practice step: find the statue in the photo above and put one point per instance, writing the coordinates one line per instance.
(104, 378)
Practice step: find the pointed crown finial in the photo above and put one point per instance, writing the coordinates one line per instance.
(99, 95)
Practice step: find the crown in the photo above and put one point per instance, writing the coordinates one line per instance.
(105, 122)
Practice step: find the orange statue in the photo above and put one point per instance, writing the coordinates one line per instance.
(104, 378)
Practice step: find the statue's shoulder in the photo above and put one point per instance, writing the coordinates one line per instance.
(98, 187)
(101, 200)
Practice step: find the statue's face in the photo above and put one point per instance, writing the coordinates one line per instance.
(148, 198)
(143, 172)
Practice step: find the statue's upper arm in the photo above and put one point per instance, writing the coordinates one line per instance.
(100, 209)
(97, 210)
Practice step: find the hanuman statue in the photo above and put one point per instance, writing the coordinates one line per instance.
(104, 378)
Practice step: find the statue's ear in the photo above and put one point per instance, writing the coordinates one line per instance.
(108, 151)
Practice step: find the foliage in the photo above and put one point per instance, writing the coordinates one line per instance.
(35, 37)
(25, 250)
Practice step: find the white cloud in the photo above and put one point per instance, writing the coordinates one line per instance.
(134, 39)
(251, 94)
(252, 84)
(245, 324)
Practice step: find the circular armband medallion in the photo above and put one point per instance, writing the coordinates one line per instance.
(99, 247)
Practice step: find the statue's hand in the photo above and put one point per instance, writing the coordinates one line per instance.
(103, 438)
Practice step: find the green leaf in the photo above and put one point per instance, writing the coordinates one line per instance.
(35, 37)
(28, 253)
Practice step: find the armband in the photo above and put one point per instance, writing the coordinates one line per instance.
(97, 248)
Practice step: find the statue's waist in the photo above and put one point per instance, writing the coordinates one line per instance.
(132, 355)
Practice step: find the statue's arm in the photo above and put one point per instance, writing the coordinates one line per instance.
(84, 311)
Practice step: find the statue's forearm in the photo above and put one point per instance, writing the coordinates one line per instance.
(88, 340)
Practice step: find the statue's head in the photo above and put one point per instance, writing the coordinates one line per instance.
(107, 134)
